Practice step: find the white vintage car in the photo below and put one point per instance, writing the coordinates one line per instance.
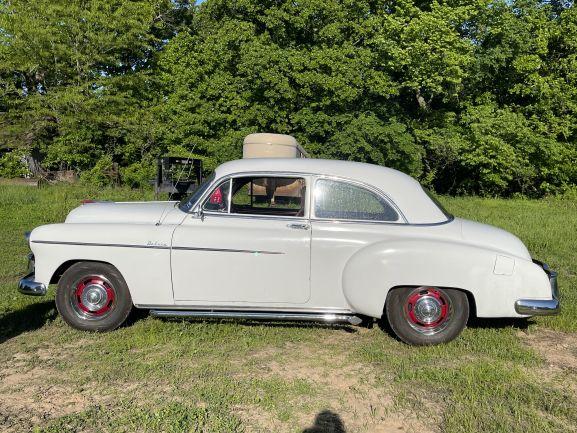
(289, 239)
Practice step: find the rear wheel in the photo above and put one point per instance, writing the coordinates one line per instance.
(93, 296)
(427, 315)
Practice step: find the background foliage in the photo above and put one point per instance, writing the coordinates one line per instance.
(472, 96)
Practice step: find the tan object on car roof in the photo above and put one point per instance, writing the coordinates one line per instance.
(266, 145)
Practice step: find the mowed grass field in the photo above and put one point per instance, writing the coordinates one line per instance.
(224, 376)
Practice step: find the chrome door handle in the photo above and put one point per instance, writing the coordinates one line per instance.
(298, 226)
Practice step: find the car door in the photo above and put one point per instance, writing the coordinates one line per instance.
(249, 245)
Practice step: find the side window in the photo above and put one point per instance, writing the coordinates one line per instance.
(280, 196)
(217, 201)
(344, 201)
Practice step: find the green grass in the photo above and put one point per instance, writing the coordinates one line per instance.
(224, 376)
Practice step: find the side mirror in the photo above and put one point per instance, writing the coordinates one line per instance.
(198, 213)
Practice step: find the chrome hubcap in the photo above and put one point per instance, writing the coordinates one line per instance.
(94, 297)
(427, 310)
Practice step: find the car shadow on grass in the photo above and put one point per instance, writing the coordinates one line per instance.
(326, 422)
(305, 325)
(517, 323)
(521, 324)
(136, 315)
(30, 318)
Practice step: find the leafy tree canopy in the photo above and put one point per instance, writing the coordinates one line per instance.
(469, 96)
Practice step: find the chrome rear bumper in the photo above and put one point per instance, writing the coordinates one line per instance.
(541, 307)
(27, 285)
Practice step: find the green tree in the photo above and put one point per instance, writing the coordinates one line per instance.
(343, 77)
(470, 96)
(77, 77)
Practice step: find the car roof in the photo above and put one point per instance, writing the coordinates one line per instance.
(401, 188)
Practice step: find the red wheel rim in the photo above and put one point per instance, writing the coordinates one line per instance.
(428, 309)
(93, 297)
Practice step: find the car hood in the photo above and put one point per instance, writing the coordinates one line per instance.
(150, 212)
(494, 238)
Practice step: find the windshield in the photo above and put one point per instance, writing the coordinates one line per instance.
(448, 214)
(188, 202)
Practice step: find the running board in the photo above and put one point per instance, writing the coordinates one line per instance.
(309, 317)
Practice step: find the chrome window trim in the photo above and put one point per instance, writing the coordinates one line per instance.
(229, 198)
(258, 217)
(211, 189)
(194, 209)
(309, 203)
(307, 177)
(402, 220)
(440, 223)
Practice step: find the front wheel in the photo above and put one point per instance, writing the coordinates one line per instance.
(93, 296)
(427, 315)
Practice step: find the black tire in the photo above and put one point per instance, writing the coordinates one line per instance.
(426, 315)
(93, 296)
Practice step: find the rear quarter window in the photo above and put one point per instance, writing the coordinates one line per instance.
(338, 200)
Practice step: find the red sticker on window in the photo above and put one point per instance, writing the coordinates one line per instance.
(216, 197)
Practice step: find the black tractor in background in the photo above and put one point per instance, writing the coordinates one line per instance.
(177, 177)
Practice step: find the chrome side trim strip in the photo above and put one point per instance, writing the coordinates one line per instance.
(158, 247)
(226, 250)
(96, 244)
(262, 307)
(331, 318)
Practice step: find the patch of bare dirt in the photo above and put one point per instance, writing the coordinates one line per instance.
(27, 398)
(32, 392)
(348, 394)
(258, 420)
(353, 399)
(557, 348)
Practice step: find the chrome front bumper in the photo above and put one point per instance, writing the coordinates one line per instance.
(27, 285)
(541, 307)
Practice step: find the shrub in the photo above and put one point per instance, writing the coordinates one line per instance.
(99, 175)
(139, 174)
(13, 164)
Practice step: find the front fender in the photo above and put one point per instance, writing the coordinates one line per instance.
(141, 253)
(494, 280)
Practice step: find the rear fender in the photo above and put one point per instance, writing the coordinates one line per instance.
(372, 271)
